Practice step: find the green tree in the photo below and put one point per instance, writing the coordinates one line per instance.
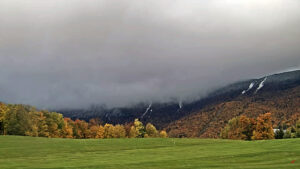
(18, 120)
(55, 123)
(231, 130)
(279, 133)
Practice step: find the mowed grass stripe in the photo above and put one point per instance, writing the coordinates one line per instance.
(31, 152)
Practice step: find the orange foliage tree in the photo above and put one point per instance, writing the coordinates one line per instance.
(263, 129)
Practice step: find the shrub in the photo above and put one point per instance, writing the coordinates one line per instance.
(163, 134)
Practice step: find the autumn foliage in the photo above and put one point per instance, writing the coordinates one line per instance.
(28, 121)
(244, 128)
(208, 121)
(263, 129)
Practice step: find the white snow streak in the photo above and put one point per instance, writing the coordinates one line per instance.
(149, 107)
(250, 87)
(261, 85)
(180, 104)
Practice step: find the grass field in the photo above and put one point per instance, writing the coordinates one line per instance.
(30, 152)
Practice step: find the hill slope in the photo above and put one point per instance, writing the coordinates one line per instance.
(284, 106)
(241, 94)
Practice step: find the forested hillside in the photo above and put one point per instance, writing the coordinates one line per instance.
(204, 117)
(284, 106)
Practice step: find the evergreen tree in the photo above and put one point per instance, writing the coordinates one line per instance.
(279, 133)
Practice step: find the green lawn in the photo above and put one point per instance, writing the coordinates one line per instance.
(30, 152)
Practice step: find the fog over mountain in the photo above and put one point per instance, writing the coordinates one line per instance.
(74, 53)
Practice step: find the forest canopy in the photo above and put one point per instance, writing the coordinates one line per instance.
(17, 119)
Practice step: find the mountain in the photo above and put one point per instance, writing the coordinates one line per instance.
(278, 93)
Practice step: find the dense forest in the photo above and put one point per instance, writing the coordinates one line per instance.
(28, 121)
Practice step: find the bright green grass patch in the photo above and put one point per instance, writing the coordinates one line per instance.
(30, 152)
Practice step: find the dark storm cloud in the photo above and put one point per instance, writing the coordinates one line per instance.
(60, 53)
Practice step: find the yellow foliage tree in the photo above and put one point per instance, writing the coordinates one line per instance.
(133, 132)
(151, 130)
(3, 110)
(163, 134)
(100, 132)
(119, 131)
(109, 131)
(139, 127)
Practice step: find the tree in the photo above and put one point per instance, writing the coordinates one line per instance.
(18, 120)
(94, 127)
(245, 127)
(67, 130)
(119, 131)
(42, 125)
(139, 127)
(94, 122)
(279, 133)
(109, 131)
(287, 134)
(32, 123)
(3, 111)
(163, 134)
(133, 132)
(127, 127)
(151, 130)
(297, 129)
(81, 129)
(264, 129)
(100, 132)
(231, 130)
(37, 125)
(93, 131)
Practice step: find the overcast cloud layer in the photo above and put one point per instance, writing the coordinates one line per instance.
(74, 53)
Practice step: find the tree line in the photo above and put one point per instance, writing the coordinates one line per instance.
(28, 121)
(245, 128)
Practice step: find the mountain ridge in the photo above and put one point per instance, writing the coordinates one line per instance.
(164, 114)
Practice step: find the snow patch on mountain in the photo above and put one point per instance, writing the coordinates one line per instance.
(180, 104)
(249, 88)
(261, 85)
(147, 110)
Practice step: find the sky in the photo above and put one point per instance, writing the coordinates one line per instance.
(76, 53)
